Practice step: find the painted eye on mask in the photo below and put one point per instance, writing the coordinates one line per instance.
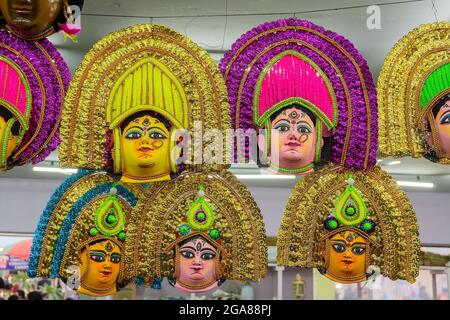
(339, 248)
(133, 135)
(97, 256)
(208, 256)
(304, 129)
(282, 128)
(358, 250)
(187, 254)
(156, 135)
(445, 118)
(115, 258)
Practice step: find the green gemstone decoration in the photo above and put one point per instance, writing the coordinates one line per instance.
(111, 219)
(93, 232)
(367, 225)
(214, 234)
(122, 235)
(333, 224)
(201, 216)
(184, 229)
(350, 211)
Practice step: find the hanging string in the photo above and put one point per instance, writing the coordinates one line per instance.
(434, 10)
(226, 23)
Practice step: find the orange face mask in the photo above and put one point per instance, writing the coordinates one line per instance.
(347, 253)
(100, 268)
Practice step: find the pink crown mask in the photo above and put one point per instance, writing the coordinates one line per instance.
(299, 65)
(292, 78)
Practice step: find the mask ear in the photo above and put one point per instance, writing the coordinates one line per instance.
(263, 156)
(116, 150)
(430, 141)
(176, 275)
(178, 148)
(219, 266)
(429, 123)
(262, 142)
(84, 261)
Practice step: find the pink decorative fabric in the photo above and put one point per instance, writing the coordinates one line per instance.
(293, 77)
(12, 88)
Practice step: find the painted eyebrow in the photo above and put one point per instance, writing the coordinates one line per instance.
(140, 128)
(207, 249)
(163, 130)
(358, 243)
(188, 247)
(97, 251)
(340, 241)
(302, 121)
(287, 121)
(158, 128)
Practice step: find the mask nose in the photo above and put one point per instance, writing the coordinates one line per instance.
(145, 139)
(347, 254)
(293, 134)
(197, 261)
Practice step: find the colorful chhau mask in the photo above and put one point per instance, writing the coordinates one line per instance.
(33, 80)
(145, 84)
(414, 95)
(346, 223)
(198, 250)
(82, 232)
(36, 19)
(199, 230)
(308, 89)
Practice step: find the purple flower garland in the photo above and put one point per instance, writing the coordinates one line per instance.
(356, 152)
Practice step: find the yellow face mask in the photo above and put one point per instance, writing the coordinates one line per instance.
(8, 141)
(145, 153)
(347, 252)
(100, 268)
